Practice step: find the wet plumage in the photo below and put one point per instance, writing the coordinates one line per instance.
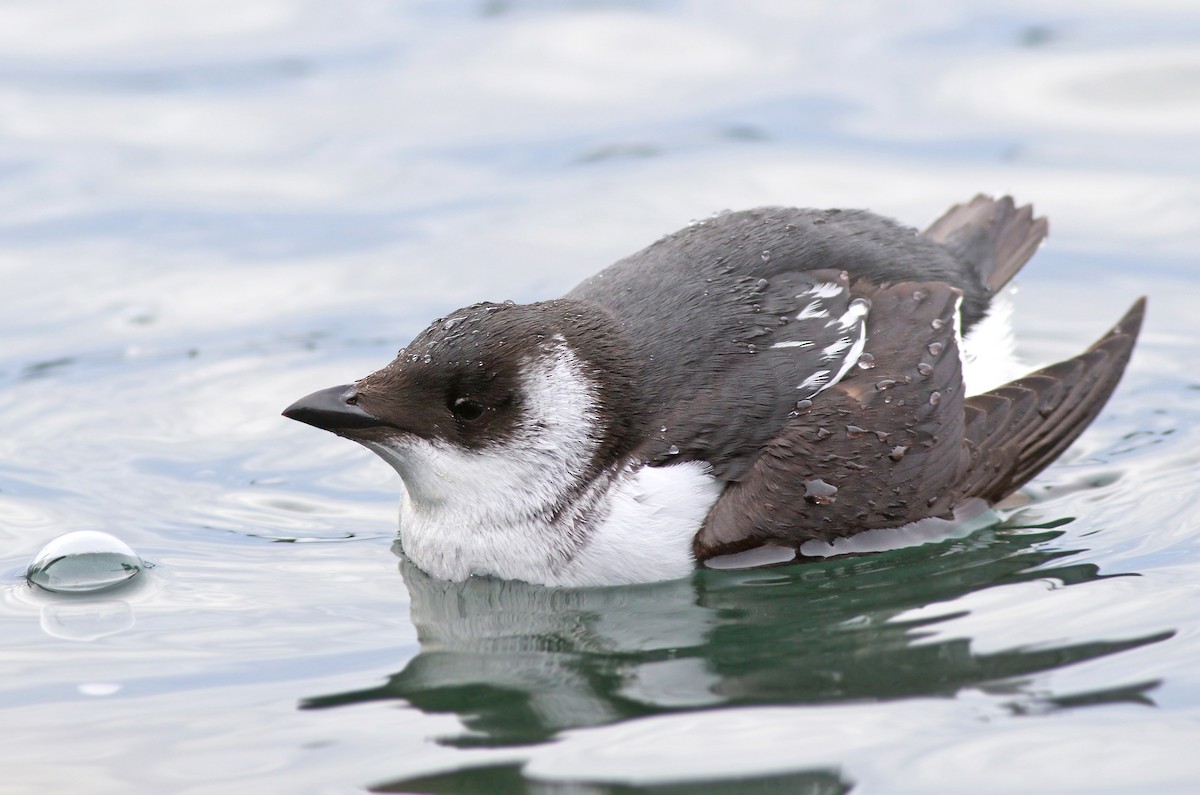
(772, 377)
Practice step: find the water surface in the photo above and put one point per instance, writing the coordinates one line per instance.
(210, 208)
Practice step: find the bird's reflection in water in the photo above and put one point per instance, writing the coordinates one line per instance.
(518, 663)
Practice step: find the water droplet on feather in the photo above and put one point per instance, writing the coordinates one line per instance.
(818, 492)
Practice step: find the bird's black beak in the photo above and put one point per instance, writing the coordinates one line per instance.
(334, 409)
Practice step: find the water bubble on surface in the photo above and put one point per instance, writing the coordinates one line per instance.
(935, 398)
(866, 361)
(924, 368)
(673, 450)
(937, 323)
(83, 561)
(935, 348)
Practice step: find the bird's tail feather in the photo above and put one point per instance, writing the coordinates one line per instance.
(992, 236)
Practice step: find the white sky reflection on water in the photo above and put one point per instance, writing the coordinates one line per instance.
(210, 208)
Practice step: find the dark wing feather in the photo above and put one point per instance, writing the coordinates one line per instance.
(879, 449)
(985, 446)
(772, 365)
(726, 291)
(699, 309)
(1017, 430)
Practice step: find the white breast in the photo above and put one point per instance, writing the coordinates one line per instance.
(653, 516)
(634, 526)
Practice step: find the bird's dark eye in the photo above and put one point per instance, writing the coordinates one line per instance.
(467, 409)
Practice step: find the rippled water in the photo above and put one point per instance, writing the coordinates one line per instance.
(210, 208)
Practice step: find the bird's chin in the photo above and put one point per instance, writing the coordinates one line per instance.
(394, 448)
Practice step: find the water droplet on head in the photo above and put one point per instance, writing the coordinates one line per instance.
(937, 323)
(663, 429)
(451, 323)
(510, 302)
(763, 284)
(854, 430)
(935, 348)
(751, 347)
(824, 433)
(427, 358)
(935, 398)
(766, 256)
(672, 450)
(924, 368)
(886, 383)
(866, 361)
(803, 405)
(85, 560)
(819, 221)
(898, 452)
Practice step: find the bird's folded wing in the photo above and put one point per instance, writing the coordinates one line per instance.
(898, 462)
(881, 448)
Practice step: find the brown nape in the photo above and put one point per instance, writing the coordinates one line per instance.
(900, 442)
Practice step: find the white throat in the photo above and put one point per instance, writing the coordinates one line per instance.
(518, 511)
